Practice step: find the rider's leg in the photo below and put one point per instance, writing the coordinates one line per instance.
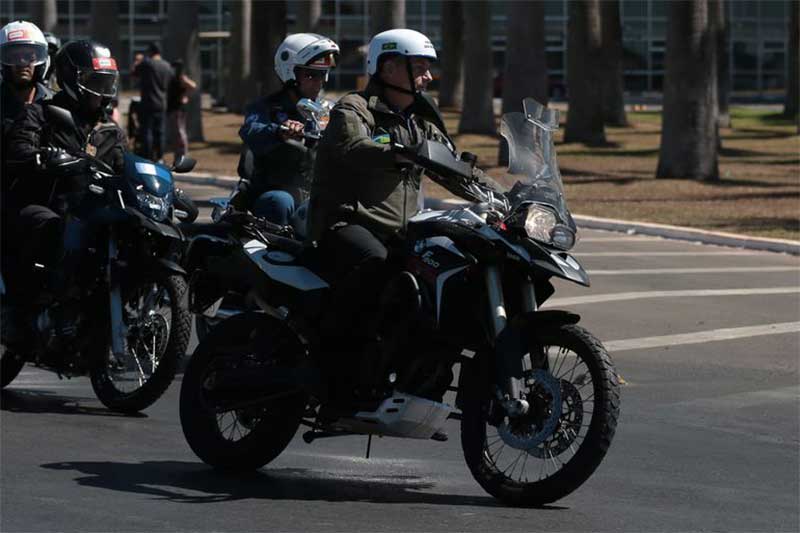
(276, 206)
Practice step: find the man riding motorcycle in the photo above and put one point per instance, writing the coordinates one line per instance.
(37, 151)
(274, 173)
(364, 191)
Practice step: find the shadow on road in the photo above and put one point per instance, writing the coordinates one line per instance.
(195, 483)
(35, 401)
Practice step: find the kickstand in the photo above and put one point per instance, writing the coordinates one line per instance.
(369, 444)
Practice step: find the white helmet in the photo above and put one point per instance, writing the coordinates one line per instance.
(307, 50)
(409, 43)
(22, 44)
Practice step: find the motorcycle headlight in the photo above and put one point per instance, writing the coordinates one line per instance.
(542, 225)
(153, 206)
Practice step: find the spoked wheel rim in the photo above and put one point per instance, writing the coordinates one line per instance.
(538, 445)
(235, 425)
(147, 312)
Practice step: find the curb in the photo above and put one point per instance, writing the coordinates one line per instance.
(663, 230)
(588, 222)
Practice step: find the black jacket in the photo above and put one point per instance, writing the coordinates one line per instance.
(35, 129)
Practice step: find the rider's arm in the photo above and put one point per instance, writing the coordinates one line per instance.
(258, 132)
(348, 136)
(23, 141)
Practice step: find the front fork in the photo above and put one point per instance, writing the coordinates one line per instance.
(118, 329)
(509, 348)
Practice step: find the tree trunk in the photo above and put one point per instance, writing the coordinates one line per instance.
(790, 108)
(451, 89)
(386, 15)
(613, 84)
(478, 112)
(308, 15)
(526, 61)
(689, 132)
(239, 88)
(104, 24)
(182, 42)
(45, 15)
(268, 31)
(585, 122)
(723, 64)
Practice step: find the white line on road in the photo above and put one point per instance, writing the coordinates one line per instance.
(625, 238)
(642, 295)
(663, 254)
(721, 270)
(702, 336)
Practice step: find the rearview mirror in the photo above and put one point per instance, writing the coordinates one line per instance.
(183, 164)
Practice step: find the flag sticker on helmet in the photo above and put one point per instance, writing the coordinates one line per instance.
(18, 35)
(104, 63)
(389, 46)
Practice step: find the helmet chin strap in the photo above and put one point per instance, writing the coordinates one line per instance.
(403, 90)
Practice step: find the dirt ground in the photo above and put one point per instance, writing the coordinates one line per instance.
(758, 192)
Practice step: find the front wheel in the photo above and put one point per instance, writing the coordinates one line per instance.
(542, 456)
(159, 325)
(232, 429)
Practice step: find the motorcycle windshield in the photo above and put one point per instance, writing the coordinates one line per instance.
(533, 174)
(153, 178)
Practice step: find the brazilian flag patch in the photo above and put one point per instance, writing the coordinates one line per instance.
(382, 139)
(389, 46)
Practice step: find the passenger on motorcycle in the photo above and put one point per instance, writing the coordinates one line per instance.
(275, 171)
(37, 149)
(363, 192)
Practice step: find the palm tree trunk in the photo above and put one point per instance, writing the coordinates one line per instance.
(478, 112)
(585, 123)
(613, 86)
(386, 15)
(308, 15)
(182, 42)
(239, 87)
(45, 15)
(723, 64)
(451, 90)
(104, 23)
(790, 108)
(268, 29)
(526, 61)
(689, 132)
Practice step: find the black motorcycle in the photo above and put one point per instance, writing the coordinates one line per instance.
(537, 395)
(120, 314)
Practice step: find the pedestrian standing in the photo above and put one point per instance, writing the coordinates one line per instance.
(154, 75)
(177, 99)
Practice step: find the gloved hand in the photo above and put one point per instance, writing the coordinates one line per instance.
(52, 159)
(238, 201)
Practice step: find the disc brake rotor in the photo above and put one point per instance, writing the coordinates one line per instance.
(529, 431)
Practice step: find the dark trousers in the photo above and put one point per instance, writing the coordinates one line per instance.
(358, 262)
(41, 241)
(152, 130)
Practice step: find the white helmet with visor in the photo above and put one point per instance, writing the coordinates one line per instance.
(23, 44)
(305, 50)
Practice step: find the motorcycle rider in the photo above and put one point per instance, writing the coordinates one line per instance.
(363, 192)
(23, 53)
(53, 46)
(38, 147)
(274, 170)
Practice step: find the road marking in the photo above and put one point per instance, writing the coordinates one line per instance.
(721, 270)
(747, 399)
(702, 336)
(617, 239)
(662, 254)
(642, 295)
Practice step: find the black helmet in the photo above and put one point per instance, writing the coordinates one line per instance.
(53, 43)
(86, 67)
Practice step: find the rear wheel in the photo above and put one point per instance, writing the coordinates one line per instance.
(241, 434)
(542, 456)
(159, 326)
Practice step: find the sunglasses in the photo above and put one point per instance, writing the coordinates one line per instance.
(309, 74)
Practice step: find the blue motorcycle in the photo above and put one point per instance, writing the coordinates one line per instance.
(114, 308)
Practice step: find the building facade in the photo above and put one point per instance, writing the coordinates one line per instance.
(758, 49)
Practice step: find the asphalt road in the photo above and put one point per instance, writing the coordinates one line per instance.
(707, 439)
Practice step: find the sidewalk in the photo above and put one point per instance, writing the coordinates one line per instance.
(588, 222)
